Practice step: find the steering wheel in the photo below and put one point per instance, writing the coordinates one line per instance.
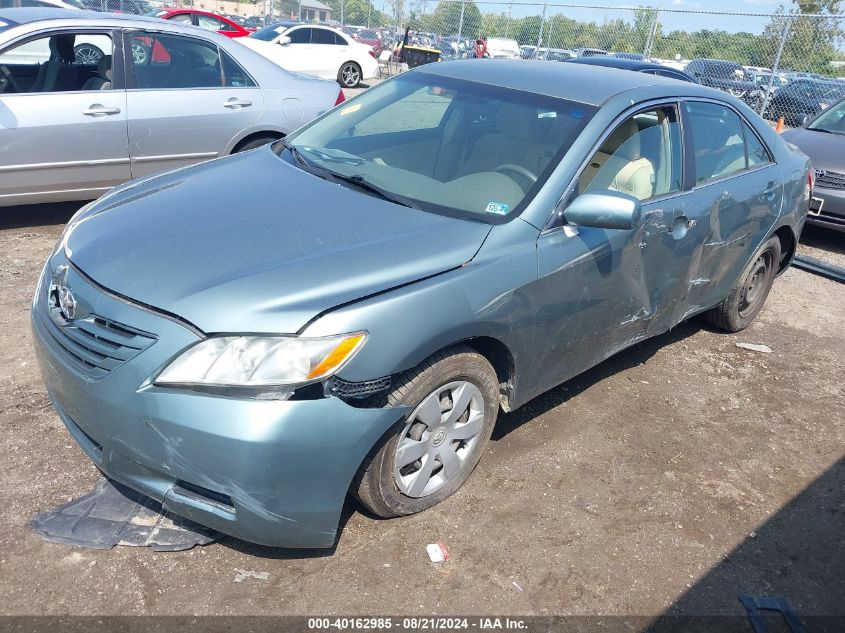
(8, 80)
(517, 169)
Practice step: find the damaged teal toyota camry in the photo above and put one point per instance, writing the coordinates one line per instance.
(352, 318)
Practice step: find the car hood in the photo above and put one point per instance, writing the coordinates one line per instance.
(252, 243)
(826, 151)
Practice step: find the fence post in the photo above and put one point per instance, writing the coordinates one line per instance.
(784, 34)
(540, 36)
(461, 23)
(652, 33)
(508, 23)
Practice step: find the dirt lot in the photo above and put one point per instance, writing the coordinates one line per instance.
(673, 477)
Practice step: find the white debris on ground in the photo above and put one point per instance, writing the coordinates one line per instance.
(243, 574)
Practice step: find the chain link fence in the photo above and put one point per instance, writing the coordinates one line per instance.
(783, 64)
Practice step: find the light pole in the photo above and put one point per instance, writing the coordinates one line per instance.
(461, 23)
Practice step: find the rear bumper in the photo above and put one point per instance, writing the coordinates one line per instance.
(269, 472)
(832, 214)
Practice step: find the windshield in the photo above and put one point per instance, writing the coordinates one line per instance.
(269, 33)
(833, 120)
(445, 145)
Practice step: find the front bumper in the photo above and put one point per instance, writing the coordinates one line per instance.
(269, 472)
(832, 213)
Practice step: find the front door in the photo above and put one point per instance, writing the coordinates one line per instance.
(602, 290)
(187, 99)
(62, 118)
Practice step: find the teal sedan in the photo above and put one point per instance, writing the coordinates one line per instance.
(353, 316)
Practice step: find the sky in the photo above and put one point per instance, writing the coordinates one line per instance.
(670, 21)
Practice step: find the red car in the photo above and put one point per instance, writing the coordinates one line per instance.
(204, 20)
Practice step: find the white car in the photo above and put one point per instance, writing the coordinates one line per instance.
(316, 50)
(502, 48)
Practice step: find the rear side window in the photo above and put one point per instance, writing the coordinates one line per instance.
(757, 152)
(323, 36)
(174, 61)
(718, 140)
(233, 74)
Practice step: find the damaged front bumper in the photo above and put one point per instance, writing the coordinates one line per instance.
(269, 472)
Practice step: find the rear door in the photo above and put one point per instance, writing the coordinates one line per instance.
(63, 132)
(187, 99)
(737, 186)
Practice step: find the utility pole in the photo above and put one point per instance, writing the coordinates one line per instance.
(342, 7)
(542, 22)
(461, 23)
(508, 23)
(783, 35)
(652, 33)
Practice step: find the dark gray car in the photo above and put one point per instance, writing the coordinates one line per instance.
(823, 140)
(351, 318)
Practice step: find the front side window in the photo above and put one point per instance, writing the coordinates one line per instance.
(478, 150)
(59, 62)
(641, 157)
(173, 61)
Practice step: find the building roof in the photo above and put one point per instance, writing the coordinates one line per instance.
(314, 4)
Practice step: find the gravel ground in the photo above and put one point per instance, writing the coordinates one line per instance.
(670, 478)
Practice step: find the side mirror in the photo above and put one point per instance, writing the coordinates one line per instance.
(284, 41)
(801, 119)
(604, 209)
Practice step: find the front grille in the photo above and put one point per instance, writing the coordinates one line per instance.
(830, 180)
(94, 345)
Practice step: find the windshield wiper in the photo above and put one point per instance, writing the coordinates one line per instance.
(294, 151)
(362, 183)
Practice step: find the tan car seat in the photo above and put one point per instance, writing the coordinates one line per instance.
(620, 166)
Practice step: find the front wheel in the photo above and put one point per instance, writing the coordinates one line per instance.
(349, 75)
(431, 452)
(749, 294)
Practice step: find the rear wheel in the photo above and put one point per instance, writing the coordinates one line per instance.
(431, 452)
(747, 297)
(349, 75)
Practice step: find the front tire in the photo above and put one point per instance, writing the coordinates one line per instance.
(349, 75)
(428, 454)
(747, 297)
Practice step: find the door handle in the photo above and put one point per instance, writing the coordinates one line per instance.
(97, 109)
(770, 192)
(235, 103)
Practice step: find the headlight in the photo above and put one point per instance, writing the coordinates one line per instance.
(261, 361)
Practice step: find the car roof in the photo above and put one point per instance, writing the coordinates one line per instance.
(594, 85)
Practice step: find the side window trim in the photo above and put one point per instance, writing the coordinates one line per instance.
(220, 53)
(556, 216)
(743, 124)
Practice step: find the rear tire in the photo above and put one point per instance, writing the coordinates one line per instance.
(349, 75)
(454, 402)
(747, 297)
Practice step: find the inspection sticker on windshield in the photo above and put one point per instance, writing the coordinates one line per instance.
(350, 109)
(498, 208)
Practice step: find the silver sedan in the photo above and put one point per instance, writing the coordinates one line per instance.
(160, 96)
